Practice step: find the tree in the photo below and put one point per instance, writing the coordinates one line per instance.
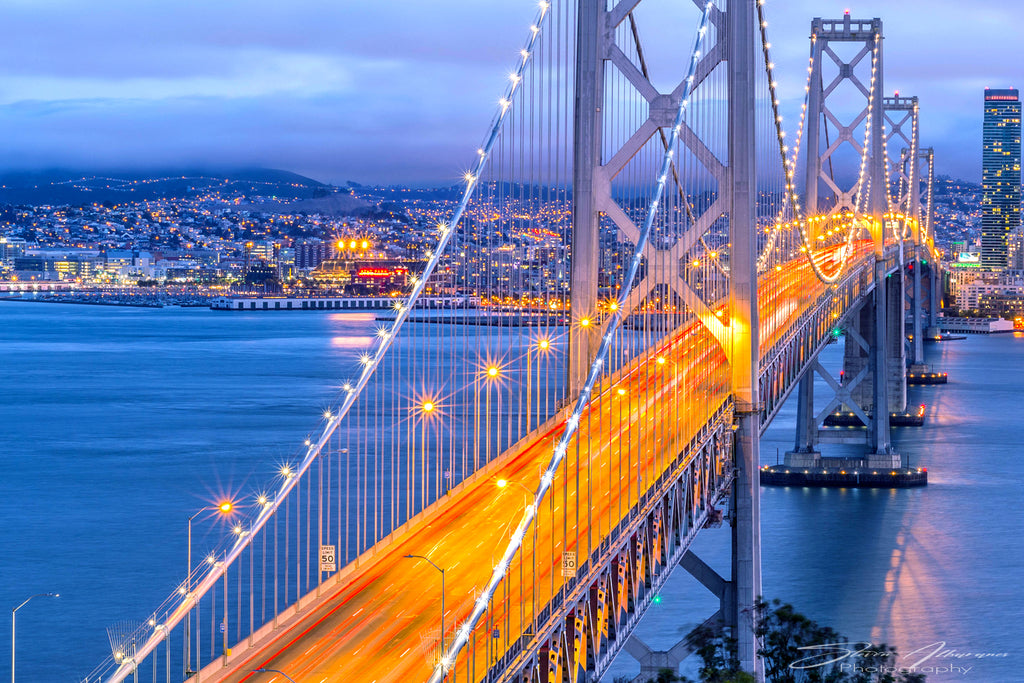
(794, 649)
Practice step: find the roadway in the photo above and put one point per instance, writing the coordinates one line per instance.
(380, 623)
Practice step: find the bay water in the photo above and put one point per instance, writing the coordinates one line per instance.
(117, 424)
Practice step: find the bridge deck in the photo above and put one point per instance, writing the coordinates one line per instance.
(380, 621)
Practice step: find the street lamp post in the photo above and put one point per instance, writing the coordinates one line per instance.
(224, 508)
(273, 671)
(14, 614)
(424, 557)
(543, 346)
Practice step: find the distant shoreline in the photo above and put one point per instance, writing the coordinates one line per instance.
(82, 302)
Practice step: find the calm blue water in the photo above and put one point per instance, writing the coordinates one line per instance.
(116, 424)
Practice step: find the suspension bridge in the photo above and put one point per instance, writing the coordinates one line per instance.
(642, 267)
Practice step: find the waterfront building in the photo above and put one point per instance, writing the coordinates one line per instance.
(310, 253)
(1015, 250)
(1000, 175)
(10, 249)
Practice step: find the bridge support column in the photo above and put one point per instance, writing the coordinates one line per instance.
(917, 363)
(896, 351)
(858, 355)
(879, 445)
(934, 301)
(591, 50)
(744, 357)
(805, 452)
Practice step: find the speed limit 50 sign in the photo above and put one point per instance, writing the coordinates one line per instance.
(569, 564)
(328, 561)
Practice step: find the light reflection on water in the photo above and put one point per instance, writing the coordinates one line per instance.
(360, 343)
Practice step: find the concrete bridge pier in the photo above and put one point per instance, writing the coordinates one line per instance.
(880, 453)
(874, 366)
(858, 358)
(917, 312)
(895, 356)
(805, 452)
(934, 301)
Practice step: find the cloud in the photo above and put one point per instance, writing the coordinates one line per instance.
(250, 73)
(396, 90)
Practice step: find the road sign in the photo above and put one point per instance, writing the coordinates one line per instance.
(327, 559)
(569, 564)
(223, 627)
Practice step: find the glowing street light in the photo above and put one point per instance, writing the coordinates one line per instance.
(504, 483)
(493, 371)
(225, 507)
(14, 614)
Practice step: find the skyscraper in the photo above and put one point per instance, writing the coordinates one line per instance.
(1000, 175)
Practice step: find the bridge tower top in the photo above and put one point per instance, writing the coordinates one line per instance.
(846, 29)
(901, 113)
(830, 130)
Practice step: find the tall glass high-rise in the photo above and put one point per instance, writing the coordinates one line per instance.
(1000, 175)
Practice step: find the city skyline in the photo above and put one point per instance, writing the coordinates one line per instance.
(128, 86)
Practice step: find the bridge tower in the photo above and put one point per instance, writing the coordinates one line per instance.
(926, 156)
(874, 358)
(745, 353)
(593, 202)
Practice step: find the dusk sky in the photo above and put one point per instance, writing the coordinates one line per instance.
(387, 90)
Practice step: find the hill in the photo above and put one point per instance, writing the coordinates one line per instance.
(58, 187)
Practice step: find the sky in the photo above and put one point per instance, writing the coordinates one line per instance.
(392, 91)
